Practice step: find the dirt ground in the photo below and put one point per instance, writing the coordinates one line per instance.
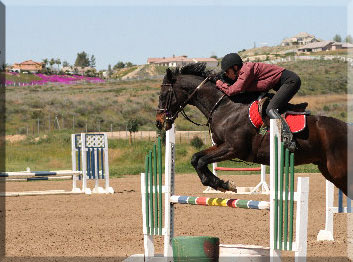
(109, 227)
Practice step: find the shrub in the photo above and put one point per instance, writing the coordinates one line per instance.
(196, 142)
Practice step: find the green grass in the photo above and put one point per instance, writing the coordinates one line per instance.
(320, 77)
(22, 78)
(54, 153)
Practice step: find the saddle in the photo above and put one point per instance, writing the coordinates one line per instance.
(294, 114)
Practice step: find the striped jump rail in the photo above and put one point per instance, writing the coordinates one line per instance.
(40, 173)
(37, 178)
(222, 202)
(219, 168)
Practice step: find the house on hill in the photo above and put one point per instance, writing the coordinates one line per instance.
(178, 61)
(27, 66)
(317, 46)
(340, 45)
(299, 39)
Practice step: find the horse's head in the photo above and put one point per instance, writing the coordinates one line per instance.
(168, 101)
(178, 89)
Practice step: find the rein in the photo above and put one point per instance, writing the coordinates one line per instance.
(181, 110)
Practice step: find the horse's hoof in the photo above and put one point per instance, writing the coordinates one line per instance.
(221, 189)
(231, 186)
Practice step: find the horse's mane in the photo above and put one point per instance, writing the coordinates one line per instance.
(196, 69)
(199, 69)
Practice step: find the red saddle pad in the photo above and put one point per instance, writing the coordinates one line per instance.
(295, 122)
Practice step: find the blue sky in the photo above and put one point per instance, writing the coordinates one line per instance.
(133, 31)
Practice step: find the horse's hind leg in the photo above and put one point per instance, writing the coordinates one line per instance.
(213, 154)
(335, 171)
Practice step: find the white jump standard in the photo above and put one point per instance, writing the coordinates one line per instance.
(327, 233)
(281, 205)
(91, 155)
(260, 188)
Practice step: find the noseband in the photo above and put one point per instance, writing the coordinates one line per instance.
(171, 93)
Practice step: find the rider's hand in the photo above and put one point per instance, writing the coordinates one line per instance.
(221, 85)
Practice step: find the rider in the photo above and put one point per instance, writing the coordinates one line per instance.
(254, 77)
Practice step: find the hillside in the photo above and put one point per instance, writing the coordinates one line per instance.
(103, 106)
(266, 50)
(140, 72)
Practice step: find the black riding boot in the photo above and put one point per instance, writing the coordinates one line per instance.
(286, 133)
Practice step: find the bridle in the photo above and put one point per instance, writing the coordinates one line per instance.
(171, 93)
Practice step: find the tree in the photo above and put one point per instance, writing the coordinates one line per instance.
(45, 62)
(66, 64)
(337, 38)
(214, 56)
(51, 63)
(82, 60)
(349, 39)
(129, 64)
(93, 61)
(58, 62)
(110, 72)
(132, 126)
(119, 65)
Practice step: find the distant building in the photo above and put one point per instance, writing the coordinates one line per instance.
(299, 39)
(27, 66)
(177, 61)
(340, 45)
(317, 47)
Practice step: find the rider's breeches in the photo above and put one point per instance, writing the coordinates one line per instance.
(288, 86)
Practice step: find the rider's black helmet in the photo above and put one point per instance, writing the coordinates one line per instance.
(230, 60)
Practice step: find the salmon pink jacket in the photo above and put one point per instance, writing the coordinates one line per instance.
(253, 77)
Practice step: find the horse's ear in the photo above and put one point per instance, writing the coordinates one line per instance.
(169, 74)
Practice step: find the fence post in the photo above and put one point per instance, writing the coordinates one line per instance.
(38, 125)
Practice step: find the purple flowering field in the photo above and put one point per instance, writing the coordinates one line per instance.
(45, 79)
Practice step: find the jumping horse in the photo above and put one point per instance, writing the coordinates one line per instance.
(323, 142)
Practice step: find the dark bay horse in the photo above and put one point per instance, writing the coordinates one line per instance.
(323, 142)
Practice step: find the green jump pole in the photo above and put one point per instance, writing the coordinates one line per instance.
(286, 199)
(281, 197)
(151, 193)
(160, 184)
(147, 194)
(276, 195)
(155, 189)
(291, 208)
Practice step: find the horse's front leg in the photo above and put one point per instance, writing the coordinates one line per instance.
(210, 155)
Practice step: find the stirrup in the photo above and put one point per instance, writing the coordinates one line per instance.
(288, 140)
(286, 133)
